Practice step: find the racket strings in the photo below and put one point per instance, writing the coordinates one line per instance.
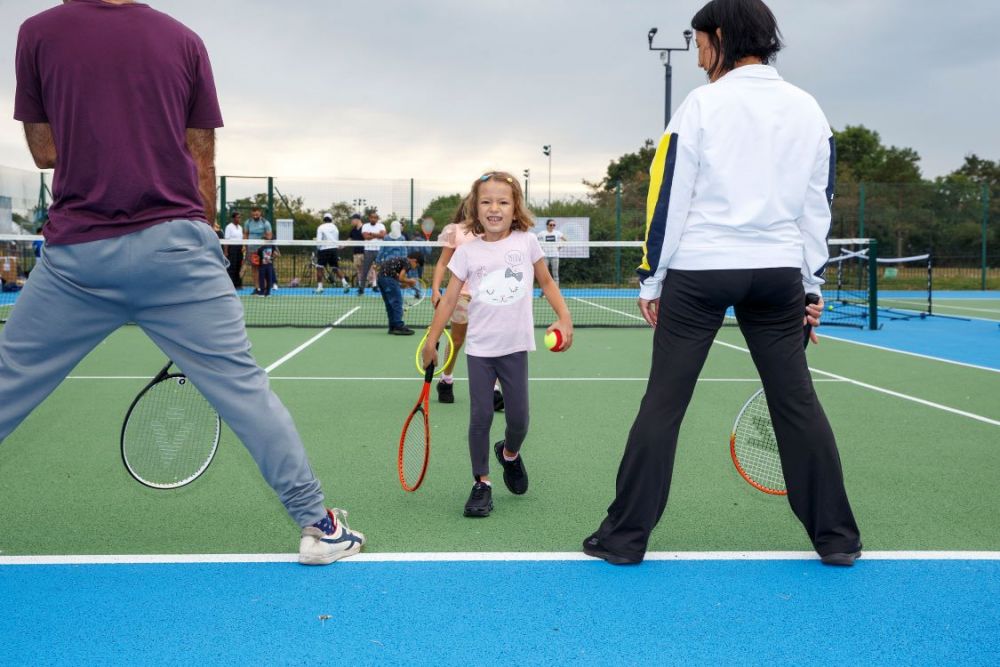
(171, 434)
(755, 447)
(413, 452)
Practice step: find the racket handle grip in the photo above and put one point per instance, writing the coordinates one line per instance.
(429, 373)
(810, 300)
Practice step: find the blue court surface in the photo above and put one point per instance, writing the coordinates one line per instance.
(968, 340)
(706, 612)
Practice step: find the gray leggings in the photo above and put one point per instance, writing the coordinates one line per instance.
(512, 371)
(171, 280)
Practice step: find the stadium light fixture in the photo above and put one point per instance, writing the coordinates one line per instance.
(665, 57)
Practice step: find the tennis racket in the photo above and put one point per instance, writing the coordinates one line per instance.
(170, 434)
(414, 295)
(752, 444)
(445, 348)
(415, 440)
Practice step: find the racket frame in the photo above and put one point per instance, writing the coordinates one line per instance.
(409, 300)
(736, 461)
(422, 408)
(810, 299)
(442, 364)
(163, 376)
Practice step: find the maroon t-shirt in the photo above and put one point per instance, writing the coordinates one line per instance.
(119, 84)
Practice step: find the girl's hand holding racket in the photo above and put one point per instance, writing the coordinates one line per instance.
(429, 354)
(438, 352)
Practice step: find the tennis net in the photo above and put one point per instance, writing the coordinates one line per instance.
(597, 280)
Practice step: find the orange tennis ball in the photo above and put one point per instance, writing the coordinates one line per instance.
(554, 340)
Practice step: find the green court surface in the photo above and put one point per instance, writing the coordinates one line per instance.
(919, 441)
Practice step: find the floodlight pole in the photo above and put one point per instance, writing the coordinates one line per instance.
(527, 177)
(665, 53)
(547, 150)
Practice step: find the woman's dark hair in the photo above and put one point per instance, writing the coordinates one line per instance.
(748, 29)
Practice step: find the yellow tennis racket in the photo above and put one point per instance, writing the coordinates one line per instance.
(446, 350)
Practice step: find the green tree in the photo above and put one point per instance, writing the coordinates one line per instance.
(861, 157)
(978, 170)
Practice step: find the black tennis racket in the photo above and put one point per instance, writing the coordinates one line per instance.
(170, 434)
(752, 444)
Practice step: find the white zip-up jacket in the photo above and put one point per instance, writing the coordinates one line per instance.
(742, 179)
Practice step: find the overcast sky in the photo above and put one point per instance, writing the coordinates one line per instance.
(442, 90)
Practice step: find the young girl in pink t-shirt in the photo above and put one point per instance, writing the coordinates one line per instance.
(498, 270)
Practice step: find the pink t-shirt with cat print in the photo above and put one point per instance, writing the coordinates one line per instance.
(500, 276)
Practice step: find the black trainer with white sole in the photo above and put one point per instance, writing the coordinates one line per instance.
(514, 474)
(480, 502)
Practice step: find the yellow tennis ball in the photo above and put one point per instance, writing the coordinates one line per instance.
(553, 340)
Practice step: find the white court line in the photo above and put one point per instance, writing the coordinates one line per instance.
(829, 336)
(298, 349)
(890, 392)
(467, 556)
(310, 341)
(612, 310)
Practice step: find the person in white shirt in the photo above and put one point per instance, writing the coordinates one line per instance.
(373, 231)
(234, 251)
(553, 237)
(737, 215)
(327, 261)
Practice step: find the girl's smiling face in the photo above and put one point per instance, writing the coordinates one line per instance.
(495, 209)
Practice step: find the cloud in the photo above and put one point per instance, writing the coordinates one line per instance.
(441, 90)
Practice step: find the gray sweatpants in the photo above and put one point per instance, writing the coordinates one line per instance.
(171, 280)
(512, 371)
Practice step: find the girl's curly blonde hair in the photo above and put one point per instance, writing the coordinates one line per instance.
(523, 220)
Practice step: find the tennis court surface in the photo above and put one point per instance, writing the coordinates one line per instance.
(97, 568)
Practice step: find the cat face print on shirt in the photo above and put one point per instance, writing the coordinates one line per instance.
(507, 285)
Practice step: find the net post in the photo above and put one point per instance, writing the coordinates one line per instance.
(930, 283)
(618, 233)
(873, 285)
(986, 215)
(270, 200)
(223, 212)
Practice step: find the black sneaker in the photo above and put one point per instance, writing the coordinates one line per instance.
(841, 559)
(592, 547)
(446, 392)
(401, 331)
(497, 401)
(480, 502)
(514, 474)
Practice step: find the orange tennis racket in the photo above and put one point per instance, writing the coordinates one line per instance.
(752, 444)
(415, 441)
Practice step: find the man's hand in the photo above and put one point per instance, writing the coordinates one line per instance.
(650, 310)
(814, 311)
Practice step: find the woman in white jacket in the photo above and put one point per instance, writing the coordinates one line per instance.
(737, 215)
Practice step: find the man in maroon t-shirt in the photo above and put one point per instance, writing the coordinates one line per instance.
(119, 99)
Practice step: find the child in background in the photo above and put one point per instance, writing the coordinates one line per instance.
(499, 268)
(268, 277)
(392, 278)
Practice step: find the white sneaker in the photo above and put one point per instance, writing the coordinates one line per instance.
(319, 290)
(319, 548)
